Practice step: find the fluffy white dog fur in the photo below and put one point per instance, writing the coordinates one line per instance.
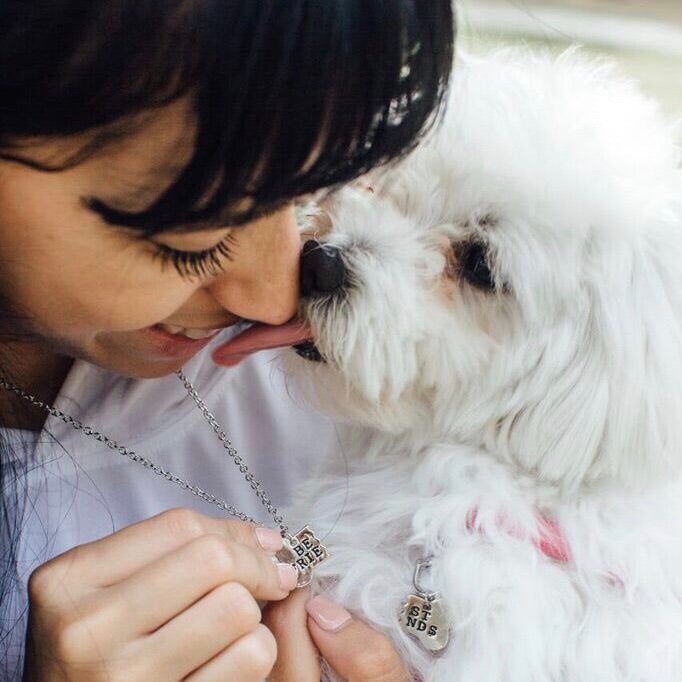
(558, 394)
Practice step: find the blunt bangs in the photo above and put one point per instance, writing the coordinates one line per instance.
(291, 96)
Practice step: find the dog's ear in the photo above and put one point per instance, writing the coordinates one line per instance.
(559, 433)
(609, 404)
(628, 371)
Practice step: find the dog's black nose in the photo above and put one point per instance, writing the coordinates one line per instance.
(322, 269)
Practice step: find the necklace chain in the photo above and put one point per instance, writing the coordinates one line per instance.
(230, 509)
(256, 485)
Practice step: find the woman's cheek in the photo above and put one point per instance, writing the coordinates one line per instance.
(113, 302)
(133, 307)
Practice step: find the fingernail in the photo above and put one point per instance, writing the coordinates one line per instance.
(270, 540)
(327, 614)
(288, 577)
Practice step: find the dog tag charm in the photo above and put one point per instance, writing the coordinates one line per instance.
(425, 619)
(303, 551)
(422, 615)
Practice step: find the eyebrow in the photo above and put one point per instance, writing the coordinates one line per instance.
(128, 196)
(117, 217)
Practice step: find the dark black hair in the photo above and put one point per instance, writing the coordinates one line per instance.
(352, 82)
(289, 96)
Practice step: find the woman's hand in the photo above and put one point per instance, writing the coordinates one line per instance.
(170, 598)
(305, 629)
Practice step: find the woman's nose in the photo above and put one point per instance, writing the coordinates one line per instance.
(262, 280)
(322, 269)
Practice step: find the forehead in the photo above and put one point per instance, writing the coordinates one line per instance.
(152, 154)
(144, 153)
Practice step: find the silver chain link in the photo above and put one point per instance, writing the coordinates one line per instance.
(256, 485)
(229, 509)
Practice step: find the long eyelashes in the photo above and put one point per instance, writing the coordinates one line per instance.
(202, 264)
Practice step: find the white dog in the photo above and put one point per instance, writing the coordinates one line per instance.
(506, 317)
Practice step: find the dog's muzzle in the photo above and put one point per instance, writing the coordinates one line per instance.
(322, 274)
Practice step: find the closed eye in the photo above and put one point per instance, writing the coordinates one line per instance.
(202, 264)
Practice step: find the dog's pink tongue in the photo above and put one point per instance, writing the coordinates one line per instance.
(260, 337)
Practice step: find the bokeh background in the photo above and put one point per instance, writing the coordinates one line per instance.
(644, 36)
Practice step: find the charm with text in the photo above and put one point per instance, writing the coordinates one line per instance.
(423, 615)
(305, 552)
(424, 619)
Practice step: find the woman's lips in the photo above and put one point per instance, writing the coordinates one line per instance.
(178, 344)
(261, 337)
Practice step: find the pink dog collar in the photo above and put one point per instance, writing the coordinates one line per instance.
(549, 539)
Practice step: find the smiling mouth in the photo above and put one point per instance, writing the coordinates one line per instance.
(187, 332)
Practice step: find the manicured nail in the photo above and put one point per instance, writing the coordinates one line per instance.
(270, 540)
(327, 614)
(288, 577)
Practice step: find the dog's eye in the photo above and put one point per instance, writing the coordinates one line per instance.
(474, 267)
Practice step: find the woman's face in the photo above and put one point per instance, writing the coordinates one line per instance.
(90, 290)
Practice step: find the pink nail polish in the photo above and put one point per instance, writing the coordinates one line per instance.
(288, 577)
(270, 540)
(327, 614)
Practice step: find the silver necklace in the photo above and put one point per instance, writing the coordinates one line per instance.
(303, 550)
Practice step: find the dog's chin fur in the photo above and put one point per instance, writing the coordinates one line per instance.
(558, 393)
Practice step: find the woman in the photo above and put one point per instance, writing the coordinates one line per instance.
(150, 152)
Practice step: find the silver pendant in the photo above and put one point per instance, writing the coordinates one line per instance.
(425, 620)
(303, 551)
(423, 616)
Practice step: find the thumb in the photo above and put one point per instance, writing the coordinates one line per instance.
(352, 648)
(297, 657)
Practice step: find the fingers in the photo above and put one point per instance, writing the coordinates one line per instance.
(249, 659)
(355, 651)
(175, 592)
(205, 629)
(174, 582)
(114, 558)
(297, 658)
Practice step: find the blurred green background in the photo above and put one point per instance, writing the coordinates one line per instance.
(644, 36)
